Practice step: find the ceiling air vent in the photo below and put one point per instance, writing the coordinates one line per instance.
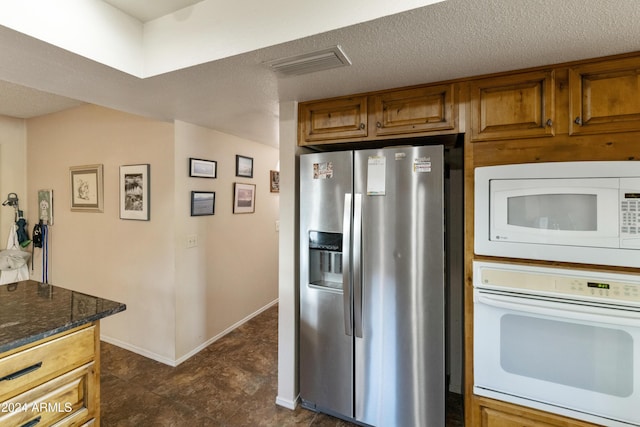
(306, 63)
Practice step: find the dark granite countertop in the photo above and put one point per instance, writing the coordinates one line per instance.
(31, 311)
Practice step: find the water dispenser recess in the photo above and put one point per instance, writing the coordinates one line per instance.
(325, 260)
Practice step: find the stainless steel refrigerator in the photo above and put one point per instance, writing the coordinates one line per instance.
(372, 344)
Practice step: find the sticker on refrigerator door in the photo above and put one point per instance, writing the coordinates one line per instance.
(376, 176)
(323, 170)
(422, 165)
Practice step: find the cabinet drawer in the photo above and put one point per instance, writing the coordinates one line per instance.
(65, 400)
(25, 369)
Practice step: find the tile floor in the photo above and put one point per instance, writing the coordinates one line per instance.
(233, 382)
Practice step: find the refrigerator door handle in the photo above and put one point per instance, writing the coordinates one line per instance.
(346, 265)
(357, 268)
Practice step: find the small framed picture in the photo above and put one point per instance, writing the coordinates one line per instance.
(86, 188)
(45, 206)
(274, 181)
(244, 166)
(203, 203)
(201, 168)
(134, 192)
(244, 198)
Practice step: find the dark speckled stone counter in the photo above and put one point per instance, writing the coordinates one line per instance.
(31, 311)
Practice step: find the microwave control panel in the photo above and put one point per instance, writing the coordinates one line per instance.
(559, 284)
(630, 207)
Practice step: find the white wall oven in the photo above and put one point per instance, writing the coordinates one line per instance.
(586, 212)
(563, 341)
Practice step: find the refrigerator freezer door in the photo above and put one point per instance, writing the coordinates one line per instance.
(326, 351)
(399, 361)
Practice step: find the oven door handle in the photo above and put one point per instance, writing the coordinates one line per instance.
(561, 309)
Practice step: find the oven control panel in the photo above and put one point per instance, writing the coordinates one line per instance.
(598, 289)
(575, 283)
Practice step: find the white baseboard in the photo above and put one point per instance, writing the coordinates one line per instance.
(287, 403)
(225, 332)
(176, 362)
(138, 350)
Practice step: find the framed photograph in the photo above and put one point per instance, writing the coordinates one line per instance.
(203, 203)
(201, 168)
(134, 192)
(86, 188)
(244, 166)
(45, 206)
(274, 181)
(244, 198)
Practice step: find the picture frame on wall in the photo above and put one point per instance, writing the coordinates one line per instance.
(244, 198)
(203, 203)
(45, 206)
(86, 188)
(244, 166)
(274, 181)
(201, 168)
(135, 192)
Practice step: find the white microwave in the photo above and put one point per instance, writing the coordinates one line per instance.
(584, 212)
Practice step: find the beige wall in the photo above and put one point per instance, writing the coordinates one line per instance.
(13, 160)
(233, 272)
(177, 299)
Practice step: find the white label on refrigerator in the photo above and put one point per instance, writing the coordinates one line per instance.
(376, 176)
(323, 170)
(422, 165)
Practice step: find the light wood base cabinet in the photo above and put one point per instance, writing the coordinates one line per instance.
(499, 414)
(53, 382)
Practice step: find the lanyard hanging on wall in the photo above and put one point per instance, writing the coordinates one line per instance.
(45, 253)
(41, 240)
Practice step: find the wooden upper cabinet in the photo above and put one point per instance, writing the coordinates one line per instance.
(516, 106)
(605, 97)
(423, 109)
(333, 120)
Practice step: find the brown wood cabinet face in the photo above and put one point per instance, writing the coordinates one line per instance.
(57, 380)
(518, 106)
(605, 97)
(414, 110)
(495, 418)
(501, 416)
(337, 119)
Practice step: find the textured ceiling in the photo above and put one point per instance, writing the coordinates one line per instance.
(240, 96)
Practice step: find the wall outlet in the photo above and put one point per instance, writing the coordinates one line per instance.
(192, 240)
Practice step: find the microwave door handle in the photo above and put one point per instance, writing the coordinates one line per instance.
(346, 266)
(562, 310)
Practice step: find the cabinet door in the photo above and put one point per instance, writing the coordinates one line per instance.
(414, 110)
(605, 97)
(518, 106)
(338, 119)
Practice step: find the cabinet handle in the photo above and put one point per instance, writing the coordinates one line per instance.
(578, 121)
(549, 123)
(378, 125)
(361, 125)
(22, 372)
(32, 422)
